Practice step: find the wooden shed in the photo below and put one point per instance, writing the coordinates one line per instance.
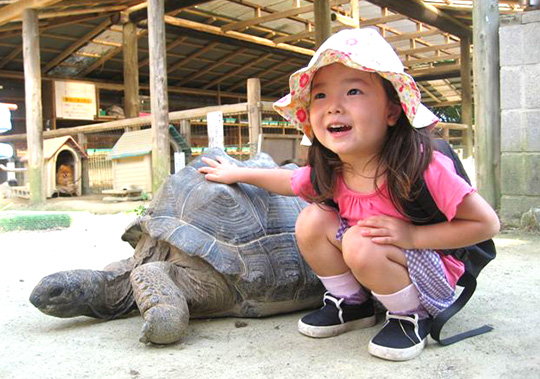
(132, 159)
(62, 172)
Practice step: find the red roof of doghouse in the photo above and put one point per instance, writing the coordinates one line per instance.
(52, 145)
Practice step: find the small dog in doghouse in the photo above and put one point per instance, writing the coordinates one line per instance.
(64, 180)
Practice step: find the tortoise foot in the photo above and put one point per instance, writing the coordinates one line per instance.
(163, 325)
(161, 303)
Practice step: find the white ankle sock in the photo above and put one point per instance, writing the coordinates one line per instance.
(402, 302)
(343, 285)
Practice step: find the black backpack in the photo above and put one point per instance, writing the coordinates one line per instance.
(424, 211)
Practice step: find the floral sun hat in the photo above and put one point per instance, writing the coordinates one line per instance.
(361, 49)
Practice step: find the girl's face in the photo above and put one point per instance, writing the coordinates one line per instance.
(350, 112)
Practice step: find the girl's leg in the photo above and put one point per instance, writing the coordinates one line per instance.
(346, 304)
(384, 270)
(315, 230)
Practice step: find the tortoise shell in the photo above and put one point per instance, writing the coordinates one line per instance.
(242, 231)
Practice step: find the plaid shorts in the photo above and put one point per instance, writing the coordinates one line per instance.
(426, 272)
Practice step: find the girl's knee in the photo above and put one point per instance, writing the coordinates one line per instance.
(316, 221)
(356, 250)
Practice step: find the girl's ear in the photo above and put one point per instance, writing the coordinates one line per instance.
(394, 111)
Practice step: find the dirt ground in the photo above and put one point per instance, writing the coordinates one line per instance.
(34, 345)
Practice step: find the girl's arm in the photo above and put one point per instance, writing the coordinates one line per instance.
(475, 221)
(274, 180)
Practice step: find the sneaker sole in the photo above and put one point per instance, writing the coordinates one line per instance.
(334, 330)
(393, 354)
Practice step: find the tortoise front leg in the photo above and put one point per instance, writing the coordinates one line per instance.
(161, 303)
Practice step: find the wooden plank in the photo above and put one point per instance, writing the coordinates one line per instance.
(34, 117)
(131, 70)
(14, 11)
(158, 93)
(254, 114)
(428, 14)
(487, 99)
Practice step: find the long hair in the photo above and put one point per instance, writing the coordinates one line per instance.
(405, 155)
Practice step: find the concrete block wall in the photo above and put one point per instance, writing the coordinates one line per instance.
(520, 114)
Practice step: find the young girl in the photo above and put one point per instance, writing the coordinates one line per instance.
(370, 144)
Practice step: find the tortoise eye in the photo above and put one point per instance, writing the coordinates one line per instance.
(56, 291)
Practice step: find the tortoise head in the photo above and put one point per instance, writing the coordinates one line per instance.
(67, 293)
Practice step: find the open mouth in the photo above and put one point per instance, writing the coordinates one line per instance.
(339, 128)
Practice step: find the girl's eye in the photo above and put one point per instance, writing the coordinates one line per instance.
(319, 95)
(354, 91)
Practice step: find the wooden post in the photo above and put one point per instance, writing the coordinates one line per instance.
(487, 99)
(84, 177)
(131, 70)
(185, 130)
(466, 96)
(323, 21)
(254, 114)
(158, 94)
(34, 117)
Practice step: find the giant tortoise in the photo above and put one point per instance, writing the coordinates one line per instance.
(202, 249)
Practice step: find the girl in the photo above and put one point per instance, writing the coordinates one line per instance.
(370, 144)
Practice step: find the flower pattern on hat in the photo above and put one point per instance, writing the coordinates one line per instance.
(361, 49)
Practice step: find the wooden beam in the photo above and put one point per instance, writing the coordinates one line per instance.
(34, 116)
(466, 95)
(158, 93)
(14, 11)
(137, 121)
(419, 74)
(426, 49)
(209, 29)
(131, 70)
(487, 100)
(271, 17)
(254, 114)
(209, 68)
(191, 57)
(238, 70)
(77, 45)
(428, 14)
(108, 55)
(323, 23)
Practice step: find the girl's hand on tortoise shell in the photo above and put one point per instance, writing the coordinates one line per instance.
(219, 170)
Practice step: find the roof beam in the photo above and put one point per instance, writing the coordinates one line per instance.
(428, 14)
(216, 31)
(77, 45)
(14, 11)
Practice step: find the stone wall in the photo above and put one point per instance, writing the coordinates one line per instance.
(520, 114)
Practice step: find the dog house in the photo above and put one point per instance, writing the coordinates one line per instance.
(132, 159)
(62, 167)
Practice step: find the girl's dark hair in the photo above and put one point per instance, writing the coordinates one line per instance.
(405, 155)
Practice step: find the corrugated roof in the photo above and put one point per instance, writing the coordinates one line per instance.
(132, 144)
(139, 142)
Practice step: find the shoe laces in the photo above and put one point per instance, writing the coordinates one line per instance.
(413, 319)
(337, 303)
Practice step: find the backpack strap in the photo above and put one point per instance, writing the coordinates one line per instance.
(423, 211)
(469, 285)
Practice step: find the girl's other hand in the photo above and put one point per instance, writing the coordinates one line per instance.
(219, 170)
(386, 230)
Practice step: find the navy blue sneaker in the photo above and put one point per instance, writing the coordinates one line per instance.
(336, 317)
(401, 337)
